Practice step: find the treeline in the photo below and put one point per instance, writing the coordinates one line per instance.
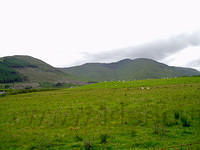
(22, 91)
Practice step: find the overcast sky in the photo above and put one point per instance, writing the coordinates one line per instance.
(73, 32)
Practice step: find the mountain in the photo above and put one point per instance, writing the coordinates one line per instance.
(128, 69)
(28, 69)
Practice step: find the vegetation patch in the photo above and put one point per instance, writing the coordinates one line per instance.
(111, 115)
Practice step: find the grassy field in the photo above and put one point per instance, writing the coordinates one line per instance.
(143, 114)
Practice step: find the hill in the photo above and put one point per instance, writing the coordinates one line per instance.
(128, 69)
(118, 115)
(28, 69)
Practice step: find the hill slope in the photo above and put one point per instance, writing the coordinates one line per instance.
(29, 69)
(8, 74)
(128, 69)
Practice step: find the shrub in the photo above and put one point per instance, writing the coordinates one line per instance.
(87, 145)
(185, 121)
(7, 86)
(28, 87)
(78, 138)
(176, 115)
(103, 138)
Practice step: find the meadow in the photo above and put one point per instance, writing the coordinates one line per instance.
(142, 114)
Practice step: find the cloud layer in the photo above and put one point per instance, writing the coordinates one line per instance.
(157, 50)
(195, 64)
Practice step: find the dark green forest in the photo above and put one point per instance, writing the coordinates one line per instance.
(7, 71)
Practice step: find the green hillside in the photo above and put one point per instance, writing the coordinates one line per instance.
(118, 115)
(128, 70)
(41, 71)
(29, 69)
(8, 74)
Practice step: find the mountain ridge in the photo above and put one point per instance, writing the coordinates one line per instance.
(23, 68)
(128, 69)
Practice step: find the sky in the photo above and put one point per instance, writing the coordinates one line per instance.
(66, 33)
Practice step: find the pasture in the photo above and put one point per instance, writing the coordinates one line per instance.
(142, 114)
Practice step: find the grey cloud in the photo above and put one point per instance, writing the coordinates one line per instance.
(157, 50)
(195, 64)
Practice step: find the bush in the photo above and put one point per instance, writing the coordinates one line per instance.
(87, 145)
(176, 115)
(28, 87)
(103, 138)
(7, 86)
(78, 138)
(185, 121)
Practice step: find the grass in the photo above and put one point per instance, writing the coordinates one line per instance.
(144, 114)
